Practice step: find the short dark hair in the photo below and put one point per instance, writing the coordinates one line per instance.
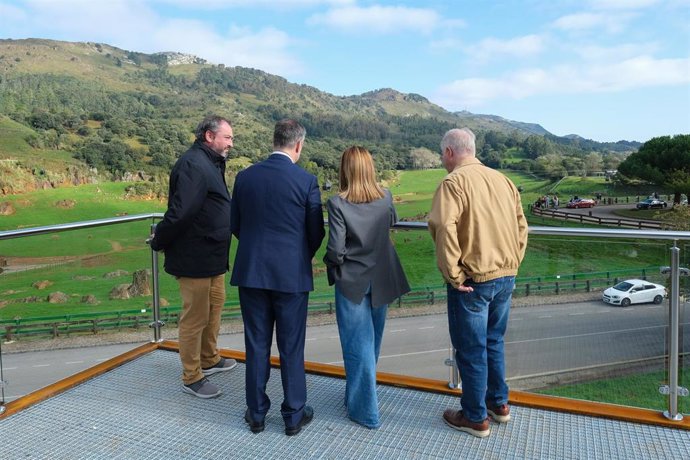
(209, 123)
(287, 133)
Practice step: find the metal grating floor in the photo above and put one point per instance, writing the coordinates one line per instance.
(138, 411)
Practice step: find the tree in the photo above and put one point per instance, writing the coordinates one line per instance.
(663, 161)
(593, 162)
(423, 158)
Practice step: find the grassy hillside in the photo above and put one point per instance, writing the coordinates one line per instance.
(118, 112)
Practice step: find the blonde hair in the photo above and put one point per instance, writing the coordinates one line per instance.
(358, 176)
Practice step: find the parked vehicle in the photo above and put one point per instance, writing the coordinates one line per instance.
(581, 203)
(651, 203)
(633, 291)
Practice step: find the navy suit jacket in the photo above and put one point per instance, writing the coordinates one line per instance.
(277, 217)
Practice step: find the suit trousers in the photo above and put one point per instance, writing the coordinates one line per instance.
(202, 303)
(261, 309)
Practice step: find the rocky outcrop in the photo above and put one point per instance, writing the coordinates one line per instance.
(41, 284)
(141, 286)
(58, 297)
(116, 274)
(6, 209)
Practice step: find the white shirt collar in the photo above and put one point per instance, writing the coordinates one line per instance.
(278, 152)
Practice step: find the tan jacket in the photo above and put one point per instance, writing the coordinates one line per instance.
(477, 224)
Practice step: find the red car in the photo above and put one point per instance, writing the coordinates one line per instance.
(581, 203)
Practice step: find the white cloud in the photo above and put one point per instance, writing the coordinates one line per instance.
(613, 53)
(633, 73)
(621, 4)
(379, 19)
(527, 45)
(133, 25)
(612, 23)
(445, 44)
(269, 4)
(10, 13)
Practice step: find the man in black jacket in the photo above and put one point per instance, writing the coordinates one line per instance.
(195, 236)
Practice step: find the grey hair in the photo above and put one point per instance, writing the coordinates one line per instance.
(287, 133)
(209, 123)
(461, 140)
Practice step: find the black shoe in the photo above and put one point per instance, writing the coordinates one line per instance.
(307, 416)
(255, 427)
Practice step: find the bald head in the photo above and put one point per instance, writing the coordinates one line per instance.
(457, 144)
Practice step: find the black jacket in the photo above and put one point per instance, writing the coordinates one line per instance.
(195, 231)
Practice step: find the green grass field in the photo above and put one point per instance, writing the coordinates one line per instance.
(639, 390)
(90, 253)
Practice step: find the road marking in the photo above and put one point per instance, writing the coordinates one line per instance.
(397, 330)
(311, 340)
(401, 355)
(576, 314)
(10, 368)
(586, 335)
(101, 360)
(545, 316)
(516, 319)
(74, 362)
(40, 365)
(427, 327)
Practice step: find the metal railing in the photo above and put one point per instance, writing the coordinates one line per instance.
(673, 389)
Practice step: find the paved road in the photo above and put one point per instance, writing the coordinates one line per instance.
(540, 340)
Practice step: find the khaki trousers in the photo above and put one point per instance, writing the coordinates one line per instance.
(202, 303)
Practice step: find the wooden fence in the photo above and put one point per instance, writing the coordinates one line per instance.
(582, 218)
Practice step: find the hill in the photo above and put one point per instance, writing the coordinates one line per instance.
(115, 112)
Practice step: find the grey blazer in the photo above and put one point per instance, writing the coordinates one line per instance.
(360, 251)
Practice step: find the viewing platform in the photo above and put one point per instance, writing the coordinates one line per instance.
(131, 407)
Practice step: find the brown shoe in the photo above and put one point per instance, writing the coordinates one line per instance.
(456, 420)
(501, 413)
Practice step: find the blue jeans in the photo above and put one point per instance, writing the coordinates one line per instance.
(361, 328)
(477, 322)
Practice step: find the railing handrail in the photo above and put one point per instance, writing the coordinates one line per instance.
(7, 234)
(562, 231)
(533, 230)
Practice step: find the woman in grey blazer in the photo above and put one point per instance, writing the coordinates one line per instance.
(367, 274)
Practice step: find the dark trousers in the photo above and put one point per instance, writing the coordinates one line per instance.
(261, 309)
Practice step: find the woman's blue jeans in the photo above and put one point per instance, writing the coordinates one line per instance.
(361, 329)
(477, 322)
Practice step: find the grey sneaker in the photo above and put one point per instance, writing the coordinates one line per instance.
(221, 366)
(202, 389)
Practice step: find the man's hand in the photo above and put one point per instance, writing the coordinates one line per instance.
(464, 288)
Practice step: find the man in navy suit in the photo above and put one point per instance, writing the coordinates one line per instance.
(277, 217)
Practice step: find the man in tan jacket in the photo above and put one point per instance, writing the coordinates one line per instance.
(480, 233)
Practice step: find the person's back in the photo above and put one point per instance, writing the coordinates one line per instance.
(487, 223)
(480, 233)
(367, 274)
(278, 220)
(271, 199)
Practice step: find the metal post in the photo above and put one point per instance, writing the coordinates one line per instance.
(157, 323)
(454, 374)
(2, 383)
(672, 412)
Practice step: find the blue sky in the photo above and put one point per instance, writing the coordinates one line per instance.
(604, 69)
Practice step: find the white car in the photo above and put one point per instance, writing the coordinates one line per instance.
(634, 291)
